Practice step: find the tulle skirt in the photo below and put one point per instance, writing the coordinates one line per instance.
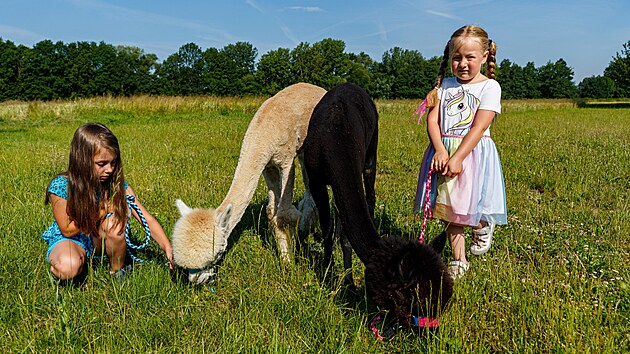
(474, 195)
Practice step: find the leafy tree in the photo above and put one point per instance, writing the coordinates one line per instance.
(556, 80)
(510, 76)
(182, 73)
(381, 86)
(10, 60)
(301, 57)
(80, 66)
(517, 82)
(324, 64)
(106, 81)
(330, 67)
(597, 87)
(619, 71)
(220, 73)
(359, 70)
(530, 81)
(242, 59)
(44, 72)
(135, 70)
(243, 56)
(411, 76)
(274, 71)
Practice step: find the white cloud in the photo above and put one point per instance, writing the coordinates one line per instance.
(20, 35)
(442, 14)
(289, 34)
(306, 8)
(255, 5)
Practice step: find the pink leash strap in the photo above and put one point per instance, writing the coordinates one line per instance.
(374, 329)
(418, 321)
(427, 213)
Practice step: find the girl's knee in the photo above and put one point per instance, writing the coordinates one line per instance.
(67, 266)
(112, 230)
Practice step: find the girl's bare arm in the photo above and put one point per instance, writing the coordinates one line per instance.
(157, 233)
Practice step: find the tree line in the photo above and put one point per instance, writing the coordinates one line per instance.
(56, 70)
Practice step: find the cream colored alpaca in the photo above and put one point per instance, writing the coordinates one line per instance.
(272, 141)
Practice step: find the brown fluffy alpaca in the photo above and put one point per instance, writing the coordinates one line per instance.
(402, 276)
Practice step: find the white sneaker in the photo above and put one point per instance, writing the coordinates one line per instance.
(457, 269)
(482, 238)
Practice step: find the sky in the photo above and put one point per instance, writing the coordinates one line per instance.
(587, 34)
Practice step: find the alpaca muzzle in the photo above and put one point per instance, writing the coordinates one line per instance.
(206, 274)
(202, 276)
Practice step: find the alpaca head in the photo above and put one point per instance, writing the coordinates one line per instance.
(199, 240)
(406, 278)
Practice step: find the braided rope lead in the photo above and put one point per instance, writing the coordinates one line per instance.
(427, 213)
(132, 205)
(374, 329)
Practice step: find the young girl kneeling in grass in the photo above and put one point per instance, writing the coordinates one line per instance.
(90, 208)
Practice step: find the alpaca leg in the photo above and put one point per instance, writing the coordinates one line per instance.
(306, 206)
(346, 250)
(282, 215)
(287, 215)
(369, 175)
(329, 240)
(320, 196)
(272, 179)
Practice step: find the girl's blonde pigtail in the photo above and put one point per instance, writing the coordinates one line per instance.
(492, 59)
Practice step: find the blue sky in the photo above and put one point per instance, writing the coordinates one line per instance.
(587, 34)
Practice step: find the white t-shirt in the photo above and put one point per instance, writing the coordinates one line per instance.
(459, 104)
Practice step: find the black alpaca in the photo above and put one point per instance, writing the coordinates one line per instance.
(402, 276)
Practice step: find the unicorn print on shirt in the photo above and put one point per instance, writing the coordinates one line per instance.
(464, 105)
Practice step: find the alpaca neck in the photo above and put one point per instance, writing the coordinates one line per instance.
(356, 220)
(362, 236)
(241, 191)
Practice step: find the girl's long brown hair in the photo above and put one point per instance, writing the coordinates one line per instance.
(86, 194)
(480, 35)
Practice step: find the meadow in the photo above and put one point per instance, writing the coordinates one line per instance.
(557, 278)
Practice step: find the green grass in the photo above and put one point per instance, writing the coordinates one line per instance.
(556, 280)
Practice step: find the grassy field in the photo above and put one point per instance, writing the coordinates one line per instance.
(556, 280)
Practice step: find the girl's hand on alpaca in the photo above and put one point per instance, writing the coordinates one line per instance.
(169, 256)
(453, 168)
(440, 159)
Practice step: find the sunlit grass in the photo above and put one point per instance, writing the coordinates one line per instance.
(556, 279)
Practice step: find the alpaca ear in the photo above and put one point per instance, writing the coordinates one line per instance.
(183, 208)
(405, 266)
(439, 242)
(224, 218)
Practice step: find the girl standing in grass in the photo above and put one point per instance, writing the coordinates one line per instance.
(90, 208)
(467, 187)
